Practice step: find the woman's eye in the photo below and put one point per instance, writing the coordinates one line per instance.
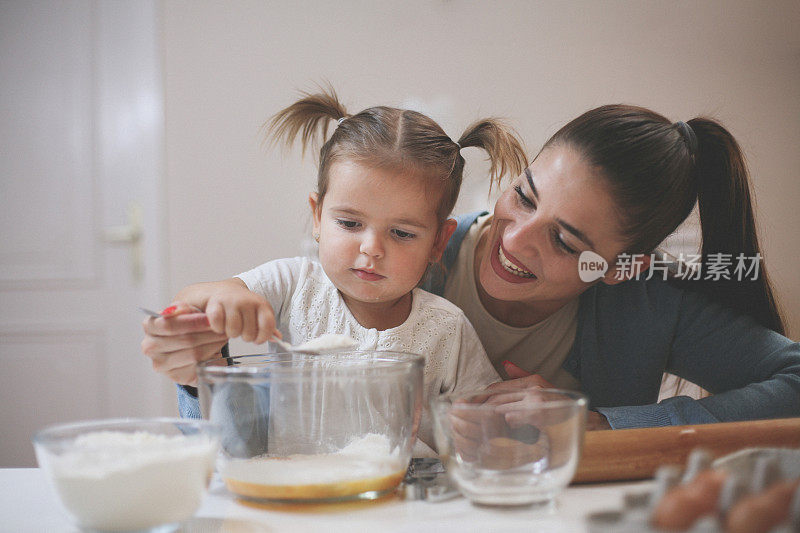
(561, 244)
(347, 224)
(403, 234)
(524, 200)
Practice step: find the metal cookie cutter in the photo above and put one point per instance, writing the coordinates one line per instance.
(427, 479)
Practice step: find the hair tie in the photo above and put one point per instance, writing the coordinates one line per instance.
(339, 122)
(689, 137)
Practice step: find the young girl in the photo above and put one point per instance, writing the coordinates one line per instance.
(388, 179)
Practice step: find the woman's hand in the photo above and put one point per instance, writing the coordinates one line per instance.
(514, 392)
(512, 399)
(179, 340)
(596, 421)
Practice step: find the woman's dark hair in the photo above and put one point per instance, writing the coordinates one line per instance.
(657, 171)
(400, 139)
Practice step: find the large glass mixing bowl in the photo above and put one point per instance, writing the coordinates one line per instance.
(313, 428)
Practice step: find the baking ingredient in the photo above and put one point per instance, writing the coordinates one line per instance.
(366, 464)
(326, 343)
(118, 481)
(759, 513)
(683, 505)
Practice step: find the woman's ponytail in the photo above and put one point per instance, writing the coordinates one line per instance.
(309, 117)
(656, 171)
(506, 153)
(728, 224)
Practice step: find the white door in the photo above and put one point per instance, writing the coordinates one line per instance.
(81, 132)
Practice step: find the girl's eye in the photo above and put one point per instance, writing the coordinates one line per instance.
(559, 242)
(524, 200)
(348, 224)
(400, 234)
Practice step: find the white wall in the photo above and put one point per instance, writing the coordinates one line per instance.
(229, 65)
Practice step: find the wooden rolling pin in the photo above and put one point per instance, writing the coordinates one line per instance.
(628, 454)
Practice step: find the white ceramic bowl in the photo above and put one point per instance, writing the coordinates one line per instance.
(129, 474)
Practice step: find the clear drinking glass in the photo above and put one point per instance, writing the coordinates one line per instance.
(517, 448)
(313, 428)
(136, 474)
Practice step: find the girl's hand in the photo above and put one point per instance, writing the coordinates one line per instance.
(179, 340)
(238, 312)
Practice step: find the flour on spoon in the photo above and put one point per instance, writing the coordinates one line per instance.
(326, 343)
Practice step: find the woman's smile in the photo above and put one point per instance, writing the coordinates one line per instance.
(512, 266)
(508, 268)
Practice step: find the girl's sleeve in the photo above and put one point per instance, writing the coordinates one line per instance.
(467, 368)
(472, 369)
(751, 371)
(277, 280)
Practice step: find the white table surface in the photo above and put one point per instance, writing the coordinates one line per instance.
(28, 503)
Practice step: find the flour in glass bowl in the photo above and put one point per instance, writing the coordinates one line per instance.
(119, 481)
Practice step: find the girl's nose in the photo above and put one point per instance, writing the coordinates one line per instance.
(371, 245)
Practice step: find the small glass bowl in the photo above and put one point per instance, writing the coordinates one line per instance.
(313, 428)
(147, 474)
(519, 448)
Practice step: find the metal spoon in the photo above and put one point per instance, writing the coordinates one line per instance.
(324, 343)
(155, 314)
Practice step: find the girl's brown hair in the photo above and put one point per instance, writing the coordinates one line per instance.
(395, 138)
(657, 170)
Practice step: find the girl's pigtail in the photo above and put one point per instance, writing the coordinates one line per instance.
(309, 117)
(728, 225)
(506, 152)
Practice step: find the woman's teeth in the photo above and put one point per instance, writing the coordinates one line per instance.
(510, 267)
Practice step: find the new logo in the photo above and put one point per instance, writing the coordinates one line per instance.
(591, 266)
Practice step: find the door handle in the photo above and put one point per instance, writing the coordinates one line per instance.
(130, 233)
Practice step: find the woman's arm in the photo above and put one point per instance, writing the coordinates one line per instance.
(752, 372)
(176, 345)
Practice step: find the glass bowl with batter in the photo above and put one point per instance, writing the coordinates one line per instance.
(301, 428)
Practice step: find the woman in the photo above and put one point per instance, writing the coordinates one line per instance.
(614, 182)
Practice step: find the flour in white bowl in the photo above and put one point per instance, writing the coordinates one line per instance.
(118, 481)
